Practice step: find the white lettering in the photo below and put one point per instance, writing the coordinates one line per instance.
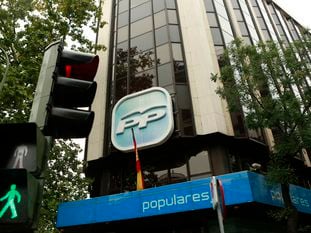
(174, 200)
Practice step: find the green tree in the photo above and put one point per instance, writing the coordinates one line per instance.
(272, 83)
(26, 28)
(64, 181)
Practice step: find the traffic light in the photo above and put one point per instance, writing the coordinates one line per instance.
(19, 200)
(65, 85)
(23, 159)
(23, 146)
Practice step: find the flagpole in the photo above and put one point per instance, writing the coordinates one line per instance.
(139, 177)
(216, 203)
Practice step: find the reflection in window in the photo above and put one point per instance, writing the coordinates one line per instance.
(200, 164)
(179, 70)
(141, 81)
(172, 17)
(161, 35)
(165, 74)
(177, 53)
(158, 5)
(163, 54)
(174, 33)
(159, 19)
(209, 5)
(139, 61)
(170, 4)
(212, 20)
(143, 42)
(123, 34)
(123, 19)
(135, 3)
(147, 45)
(140, 27)
(217, 37)
(123, 5)
(140, 11)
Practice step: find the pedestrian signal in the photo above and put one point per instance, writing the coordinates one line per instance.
(18, 200)
(24, 146)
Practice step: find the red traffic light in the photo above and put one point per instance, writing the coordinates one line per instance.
(78, 65)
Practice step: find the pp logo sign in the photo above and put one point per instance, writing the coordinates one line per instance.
(149, 113)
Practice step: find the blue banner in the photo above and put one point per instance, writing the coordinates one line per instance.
(240, 187)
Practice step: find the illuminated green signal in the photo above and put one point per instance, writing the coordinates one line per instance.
(10, 196)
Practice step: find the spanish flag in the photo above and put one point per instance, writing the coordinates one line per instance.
(140, 179)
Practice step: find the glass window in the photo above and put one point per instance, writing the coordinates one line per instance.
(186, 116)
(123, 34)
(209, 5)
(143, 60)
(257, 11)
(159, 19)
(199, 163)
(121, 87)
(243, 28)
(261, 23)
(161, 35)
(219, 51)
(174, 33)
(143, 42)
(183, 100)
(163, 54)
(135, 3)
(123, 19)
(142, 26)
(179, 70)
(141, 81)
(123, 6)
(217, 38)
(140, 11)
(247, 40)
(238, 15)
(212, 20)
(123, 45)
(266, 34)
(158, 5)
(220, 9)
(170, 4)
(172, 17)
(227, 37)
(177, 52)
(235, 4)
(165, 74)
(254, 3)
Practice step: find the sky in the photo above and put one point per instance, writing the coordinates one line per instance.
(300, 10)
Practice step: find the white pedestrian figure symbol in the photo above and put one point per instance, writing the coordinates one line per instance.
(19, 154)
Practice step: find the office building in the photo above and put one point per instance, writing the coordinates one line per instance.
(176, 45)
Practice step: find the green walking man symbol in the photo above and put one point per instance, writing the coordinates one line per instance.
(10, 196)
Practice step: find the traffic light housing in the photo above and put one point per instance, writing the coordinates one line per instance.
(65, 85)
(23, 159)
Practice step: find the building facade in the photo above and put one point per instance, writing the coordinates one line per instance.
(176, 45)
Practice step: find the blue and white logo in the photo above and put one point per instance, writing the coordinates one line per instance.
(149, 113)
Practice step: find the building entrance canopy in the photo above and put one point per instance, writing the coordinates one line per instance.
(239, 188)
